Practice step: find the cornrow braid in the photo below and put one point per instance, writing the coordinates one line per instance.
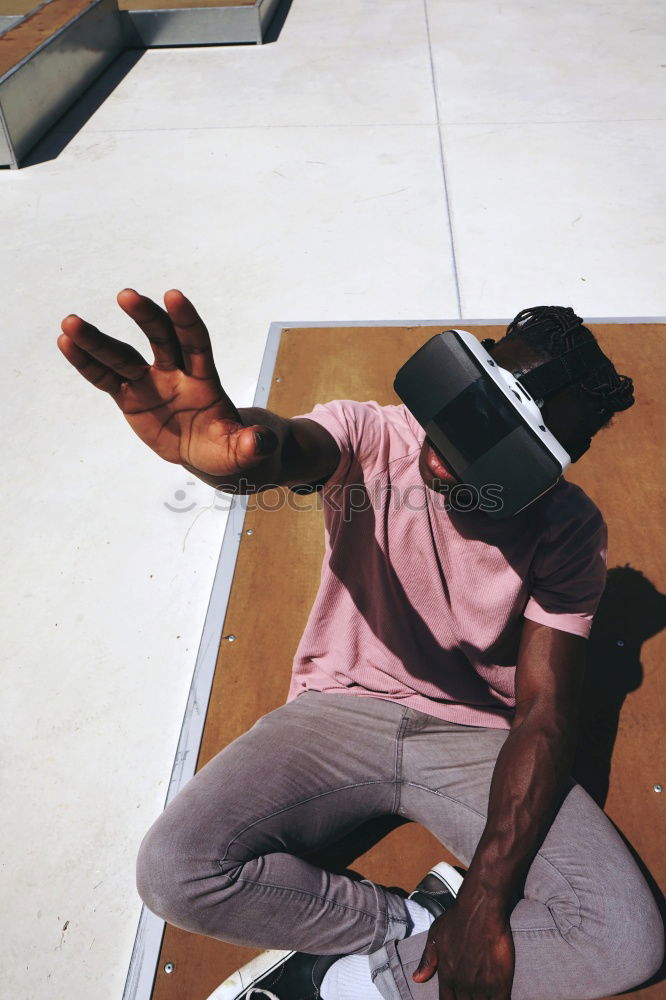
(554, 330)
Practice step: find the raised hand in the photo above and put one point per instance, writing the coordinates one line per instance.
(176, 404)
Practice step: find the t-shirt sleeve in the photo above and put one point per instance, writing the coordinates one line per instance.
(569, 574)
(355, 428)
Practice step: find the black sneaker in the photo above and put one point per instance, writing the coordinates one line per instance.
(438, 890)
(294, 975)
(277, 975)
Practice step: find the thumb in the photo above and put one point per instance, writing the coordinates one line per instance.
(256, 443)
(265, 440)
(428, 964)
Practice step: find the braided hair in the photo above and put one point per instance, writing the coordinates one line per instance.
(552, 331)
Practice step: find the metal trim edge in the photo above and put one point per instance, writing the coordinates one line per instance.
(148, 940)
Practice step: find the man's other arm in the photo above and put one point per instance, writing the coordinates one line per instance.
(471, 945)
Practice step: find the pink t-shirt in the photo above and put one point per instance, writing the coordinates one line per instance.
(424, 606)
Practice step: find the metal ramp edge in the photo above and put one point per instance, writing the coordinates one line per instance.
(47, 79)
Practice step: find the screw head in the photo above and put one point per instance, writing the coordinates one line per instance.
(277, 378)
(231, 638)
(250, 531)
(620, 642)
(169, 968)
(658, 788)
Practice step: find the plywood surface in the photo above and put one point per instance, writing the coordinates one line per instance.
(277, 575)
(13, 7)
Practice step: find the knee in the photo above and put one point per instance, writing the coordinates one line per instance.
(632, 950)
(159, 873)
(180, 880)
(645, 945)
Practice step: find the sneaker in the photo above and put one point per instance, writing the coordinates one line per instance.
(277, 975)
(294, 975)
(438, 890)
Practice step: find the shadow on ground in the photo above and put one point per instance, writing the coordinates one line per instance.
(631, 611)
(71, 123)
(277, 23)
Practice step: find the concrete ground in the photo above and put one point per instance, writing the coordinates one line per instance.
(382, 160)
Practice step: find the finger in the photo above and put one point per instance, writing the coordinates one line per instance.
(192, 335)
(111, 353)
(157, 326)
(428, 964)
(92, 370)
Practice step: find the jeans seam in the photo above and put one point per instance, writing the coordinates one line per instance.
(537, 930)
(398, 760)
(293, 805)
(566, 881)
(445, 795)
(396, 973)
(376, 972)
(312, 895)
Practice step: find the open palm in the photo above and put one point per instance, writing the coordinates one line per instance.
(176, 405)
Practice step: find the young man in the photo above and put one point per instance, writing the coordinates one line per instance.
(437, 679)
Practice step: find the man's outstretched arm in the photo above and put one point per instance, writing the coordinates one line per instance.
(177, 405)
(471, 946)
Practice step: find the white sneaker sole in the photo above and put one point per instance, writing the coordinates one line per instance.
(241, 982)
(447, 874)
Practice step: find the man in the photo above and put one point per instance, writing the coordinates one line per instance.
(437, 679)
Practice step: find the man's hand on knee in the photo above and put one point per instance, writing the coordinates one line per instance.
(472, 953)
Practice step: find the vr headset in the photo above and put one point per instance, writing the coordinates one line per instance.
(483, 421)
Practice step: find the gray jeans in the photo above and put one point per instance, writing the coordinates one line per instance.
(227, 857)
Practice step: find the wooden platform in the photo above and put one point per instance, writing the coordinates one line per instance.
(10, 8)
(276, 577)
(11, 12)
